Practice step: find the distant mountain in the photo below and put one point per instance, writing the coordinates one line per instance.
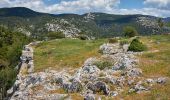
(38, 24)
(167, 19)
(18, 12)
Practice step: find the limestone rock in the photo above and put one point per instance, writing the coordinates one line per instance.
(89, 97)
(75, 86)
(114, 93)
(161, 80)
(98, 87)
(110, 48)
(134, 72)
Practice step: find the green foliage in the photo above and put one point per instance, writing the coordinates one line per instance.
(113, 40)
(103, 64)
(137, 46)
(11, 44)
(168, 24)
(7, 78)
(130, 31)
(83, 37)
(55, 35)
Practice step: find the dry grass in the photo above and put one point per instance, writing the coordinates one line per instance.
(76, 96)
(156, 63)
(60, 91)
(65, 53)
(72, 53)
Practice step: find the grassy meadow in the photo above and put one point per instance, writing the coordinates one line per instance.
(70, 53)
(155, 62)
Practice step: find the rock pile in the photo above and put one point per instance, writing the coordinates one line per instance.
(26, 66)
(88, 80)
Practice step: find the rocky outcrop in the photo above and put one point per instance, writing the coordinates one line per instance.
(62, 26)
(88, 80)
(110, 48)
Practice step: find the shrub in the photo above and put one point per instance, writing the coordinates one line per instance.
(11, 44)
(83, 37)
(113, 40)
(55, 35)
(103, 64)
(130, 31)
(137, 46)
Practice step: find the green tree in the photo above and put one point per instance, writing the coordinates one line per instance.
(130, 31)
(137, 46)
(11, 44)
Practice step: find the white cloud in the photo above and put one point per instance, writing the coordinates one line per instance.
(75, 6)
(145, 11)
(84, 6)
(162, 4)
(33, 4)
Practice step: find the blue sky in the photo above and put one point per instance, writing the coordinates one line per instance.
(147, 7)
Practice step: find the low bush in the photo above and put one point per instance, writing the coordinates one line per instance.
(130, 31)
(137, 46)
(113, 40)
(103, 64)
(55, 35)
(83, 37)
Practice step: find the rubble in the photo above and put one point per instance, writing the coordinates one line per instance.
(87, 80)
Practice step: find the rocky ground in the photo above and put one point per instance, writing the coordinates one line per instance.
(119, 72)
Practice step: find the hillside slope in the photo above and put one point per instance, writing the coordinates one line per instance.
(38, 24)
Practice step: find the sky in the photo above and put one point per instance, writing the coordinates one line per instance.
(160, 8)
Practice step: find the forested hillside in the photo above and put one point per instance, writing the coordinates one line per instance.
(11, 44)
(38, 25)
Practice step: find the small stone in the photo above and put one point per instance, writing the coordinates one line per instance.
(90, 69)
(130, 82)
(150, 81)
(90, 61)
(89, 97)
(134, 72)
(138, 88)
(75, 87)
(98, 87)
(161, 80)
(120, 81)
(113, 93)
